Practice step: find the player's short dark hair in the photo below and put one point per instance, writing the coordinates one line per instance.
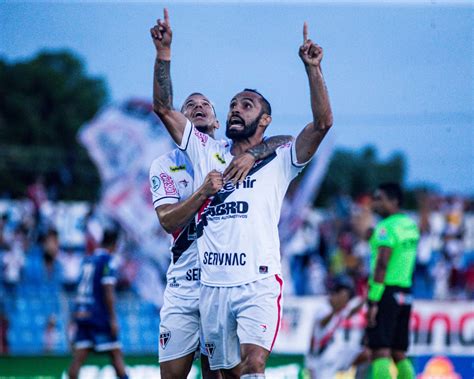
(110, 237)
(267, 108)
(200, 94)
(393, 191)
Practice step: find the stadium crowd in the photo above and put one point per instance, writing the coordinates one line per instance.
(329, 242)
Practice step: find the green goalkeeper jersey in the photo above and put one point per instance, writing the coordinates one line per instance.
(401, 234)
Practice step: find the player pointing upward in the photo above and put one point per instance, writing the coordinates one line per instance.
(241, 292)
(171, 182)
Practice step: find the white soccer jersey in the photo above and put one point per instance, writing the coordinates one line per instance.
(239, 242)
(171, 181)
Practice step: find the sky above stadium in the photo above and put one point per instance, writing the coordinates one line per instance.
(400, 75)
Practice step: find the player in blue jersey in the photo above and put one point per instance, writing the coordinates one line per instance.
(94, 312)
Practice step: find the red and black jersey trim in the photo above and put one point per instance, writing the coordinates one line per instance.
(183, 239)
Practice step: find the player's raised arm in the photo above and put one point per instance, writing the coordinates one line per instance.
(311, 136)
(174, 121)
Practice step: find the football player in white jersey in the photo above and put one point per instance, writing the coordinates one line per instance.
(241, 287)
(171, 184)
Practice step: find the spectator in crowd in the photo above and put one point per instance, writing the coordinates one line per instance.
(327, 355)
(13, 259)
(42, 266)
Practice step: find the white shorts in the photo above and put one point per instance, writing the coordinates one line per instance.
(231, 316)
(179, 327)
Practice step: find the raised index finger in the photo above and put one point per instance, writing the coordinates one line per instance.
(166, 16)
(305, 32)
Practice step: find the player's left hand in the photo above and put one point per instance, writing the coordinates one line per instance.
(310, 53)
(372, 315)
(239, 168)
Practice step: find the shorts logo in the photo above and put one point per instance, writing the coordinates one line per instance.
(263, 269)
(201, 136)
(170, 188)
(155, 183)
(264, 327)
(210, 348)
(165, 337)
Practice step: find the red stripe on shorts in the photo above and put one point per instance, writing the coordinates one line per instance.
(280, 281)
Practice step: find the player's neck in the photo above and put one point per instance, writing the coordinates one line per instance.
(242, 145)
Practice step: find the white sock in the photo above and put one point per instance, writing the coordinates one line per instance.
(253, 376)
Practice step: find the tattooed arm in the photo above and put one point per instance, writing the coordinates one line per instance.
(240, 166)
(173, 120)
(268, 147)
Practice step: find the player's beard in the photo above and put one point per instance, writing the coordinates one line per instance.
(247, 132)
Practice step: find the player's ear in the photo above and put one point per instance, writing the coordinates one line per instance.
(265, 120)
(216, 124)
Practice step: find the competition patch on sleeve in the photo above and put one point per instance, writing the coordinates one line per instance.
(201, 136)
(155, 183)
(168, 183)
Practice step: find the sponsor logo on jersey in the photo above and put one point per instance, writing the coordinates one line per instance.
(168, 183)
(165, 336)
(201, 136)
(224, 259)
(219, 158)
(210, 348)
(248, 182)
(155, 183)
(177, 168)
(230, 208)
(193, 274)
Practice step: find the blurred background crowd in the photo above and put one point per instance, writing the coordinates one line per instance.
(41, 252)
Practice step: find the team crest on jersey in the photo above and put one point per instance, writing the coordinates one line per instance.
(155, 183)
(165, 337)
(201, 136)
(210, 348)
(168, 183)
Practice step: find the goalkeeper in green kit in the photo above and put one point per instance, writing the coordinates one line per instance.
(393, 254)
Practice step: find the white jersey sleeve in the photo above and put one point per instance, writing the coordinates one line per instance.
(288, 160)
(163, 188)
